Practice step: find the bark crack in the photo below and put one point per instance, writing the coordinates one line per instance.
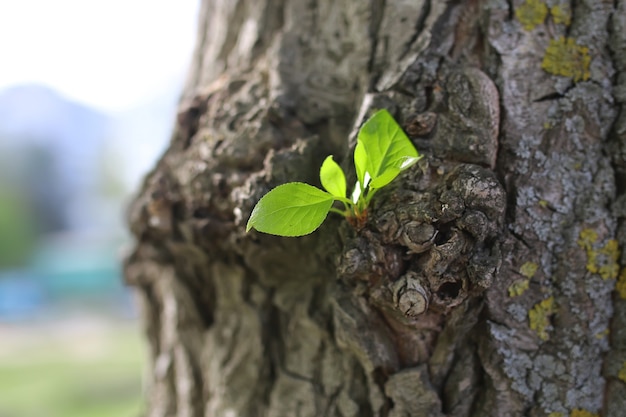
(377, 8)
(420, 24)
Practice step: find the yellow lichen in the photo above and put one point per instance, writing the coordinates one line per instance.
(565, 57)
(561, 14)
(531, 13)
(610, 254)
(592, 263)
(539, 317)
(543, 203)
(587, 238)
(603, 261)
(582, 413)
(529, 269)
(609, 271)
(604, 333)
(555, 414)
(622, 373)
(518, 288)
(620, 287)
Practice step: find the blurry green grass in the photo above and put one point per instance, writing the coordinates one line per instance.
(56, 379)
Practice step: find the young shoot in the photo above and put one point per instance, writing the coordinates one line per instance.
(295, 209)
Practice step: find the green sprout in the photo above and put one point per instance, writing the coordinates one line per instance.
(296, 209)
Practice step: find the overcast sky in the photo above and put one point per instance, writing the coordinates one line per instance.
(110, 54)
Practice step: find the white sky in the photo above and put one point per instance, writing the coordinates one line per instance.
(111, 54)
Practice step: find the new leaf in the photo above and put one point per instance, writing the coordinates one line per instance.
(384, 149)
(292, 209)
(333, 178)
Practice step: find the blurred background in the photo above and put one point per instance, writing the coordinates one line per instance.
(88, 92)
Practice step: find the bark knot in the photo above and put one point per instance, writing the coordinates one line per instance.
(410, 296)
(431, 242)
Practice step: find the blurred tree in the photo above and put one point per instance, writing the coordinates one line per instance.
(17, 229)
(48, 193)
(482, 283)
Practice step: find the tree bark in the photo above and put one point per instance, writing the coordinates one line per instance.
(488, 278)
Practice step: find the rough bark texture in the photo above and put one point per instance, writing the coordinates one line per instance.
(488, 279)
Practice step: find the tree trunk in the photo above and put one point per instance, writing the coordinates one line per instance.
(486, 281)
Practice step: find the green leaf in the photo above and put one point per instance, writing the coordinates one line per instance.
(391, 173)
(356, 193)
(387, 150)
(385, 178)
(360, 162)
(292, 209)
(333, 178)
(409, 161)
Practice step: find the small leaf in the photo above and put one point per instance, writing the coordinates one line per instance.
(391, 173)
(409, 161)
(385, 147)
(360, 162)
(366, 180)
(385, 178)
(292, 209)
(333, 178)
(357, 192)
